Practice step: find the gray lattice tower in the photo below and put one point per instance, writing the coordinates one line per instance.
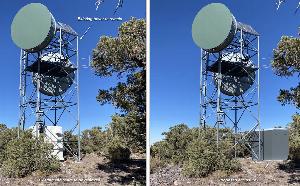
(49, 74)
(229, 75)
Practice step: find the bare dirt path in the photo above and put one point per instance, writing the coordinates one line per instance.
(252, 173)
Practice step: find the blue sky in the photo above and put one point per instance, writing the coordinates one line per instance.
(66, 11)
(175, 60)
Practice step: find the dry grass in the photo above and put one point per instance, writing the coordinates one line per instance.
(252, 173)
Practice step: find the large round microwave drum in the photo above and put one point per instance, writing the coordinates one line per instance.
(214, 27)
(33, 27)
(235, 85)
(52, 85)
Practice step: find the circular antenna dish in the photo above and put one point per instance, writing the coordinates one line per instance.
(51, 85)
(33, 27)
(214, 27)
(235, 85)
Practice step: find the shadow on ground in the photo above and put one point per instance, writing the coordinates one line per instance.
(293, 168)
(131, 172)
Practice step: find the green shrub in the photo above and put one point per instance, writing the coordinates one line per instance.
(177, 140)
(6, 135)
(117, 151)
(160, 155)
(26, 155)
(201, 159)
(161, 150)
(196, 150)
(70, 143)
(205, 158)
(131, 128)
(294, 139)
(93, 140)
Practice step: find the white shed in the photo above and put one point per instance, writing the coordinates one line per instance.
(53, 135)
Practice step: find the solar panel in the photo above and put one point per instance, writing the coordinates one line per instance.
(66, 28)
(246, 28)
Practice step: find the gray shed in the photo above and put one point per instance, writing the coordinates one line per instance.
(275, 144)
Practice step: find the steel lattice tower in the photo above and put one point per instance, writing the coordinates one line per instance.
(227, 111)
(49, 77)
(229, 77)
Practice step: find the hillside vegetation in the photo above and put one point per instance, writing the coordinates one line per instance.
(195, 150)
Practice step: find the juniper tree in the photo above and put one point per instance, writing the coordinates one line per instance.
(286, 63)
(124, 57)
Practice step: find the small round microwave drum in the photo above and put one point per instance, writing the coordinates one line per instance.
(235, 85)
(33, 27)
(52, 85)
(214, 27)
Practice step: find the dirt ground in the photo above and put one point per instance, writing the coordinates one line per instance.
(252, 173)
(92, 170)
